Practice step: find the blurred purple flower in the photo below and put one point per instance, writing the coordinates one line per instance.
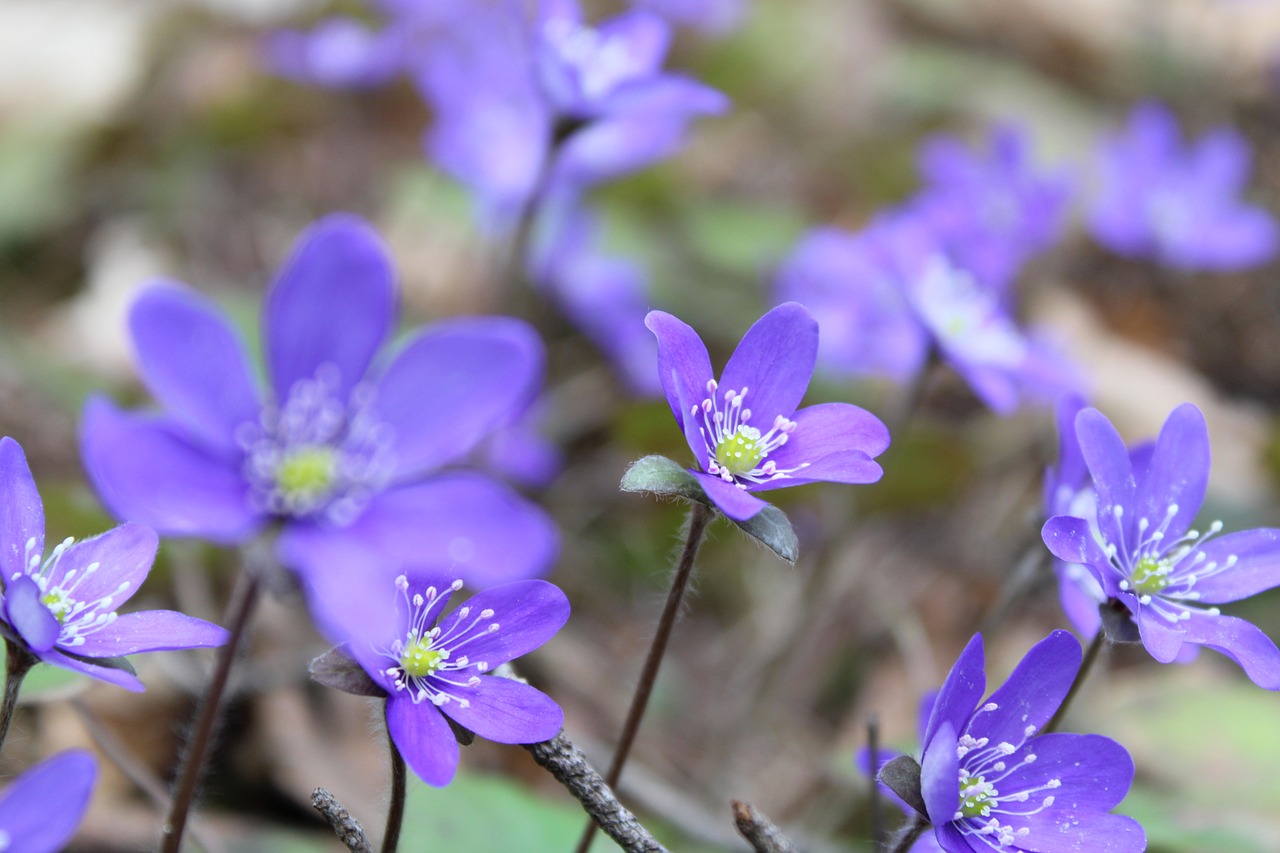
(339, 53)
(894, 293)
(991, 210)
(344, 452)
(40, 810)
(1142, 550)
(1179, 205)
(63, 608)
(763, 383)
(433, 665)
(713, 17)
(990, 782)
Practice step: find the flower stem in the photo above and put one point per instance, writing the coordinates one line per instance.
(18, 662)
(395, 812)
(1090, 655)
(910, 835)
(873, 747)
(243, 599)
(699, 518)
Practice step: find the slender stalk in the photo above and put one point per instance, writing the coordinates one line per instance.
(18, 662)
(1090, 655)
(910, 835)
(243, 600)
(395, 812)
(873, 746)
(699, 518)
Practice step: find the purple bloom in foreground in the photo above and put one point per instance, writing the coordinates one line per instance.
(992, 209)
(990, 782)
(434, 665)
(342, 448)
(63, 607)
(1143, 552)
(40, 810)
(745, 430)
(1179, 205)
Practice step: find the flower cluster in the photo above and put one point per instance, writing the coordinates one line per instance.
(342, 449)
(762, 384)
(1140, 547)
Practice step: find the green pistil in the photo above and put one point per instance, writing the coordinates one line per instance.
(1150, 576)
(58, 603)
(307, 473)
(975, 797)
(739, 453)
(419, 659)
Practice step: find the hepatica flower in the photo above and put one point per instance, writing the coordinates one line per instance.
(434, 664)
(1144, 553)
(990, 781)
(63, 607)
(340, 444)
(1176, 204)
(40, 810)
(745, 430)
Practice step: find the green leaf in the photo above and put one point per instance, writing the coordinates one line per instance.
(664, 477)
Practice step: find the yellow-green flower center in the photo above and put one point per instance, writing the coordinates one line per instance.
(307, 473)
(1150, 576)
(975, 797)
(740, 452)
(59, 604)
(419, 659)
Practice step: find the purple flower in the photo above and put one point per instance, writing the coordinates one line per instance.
(340, 445)
(1142, 550)
(63, 607)
(990, 782)
(434, 665)
(1179, 205)
(40, 810)
(991, 210)
(762, 383)
(713, 17)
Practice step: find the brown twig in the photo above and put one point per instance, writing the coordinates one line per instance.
(759, 831)
(347, 828)
(570, 768)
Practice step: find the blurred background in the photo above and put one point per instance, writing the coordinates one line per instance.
(142, 139)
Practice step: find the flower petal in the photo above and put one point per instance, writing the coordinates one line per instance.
(1241, 641)
(146, 470)
(1177, 473)
(940, 775)
(736, 503)
(528, 614)
(118, 677)
(1095, 771)
(1108, 460)
(454, 384)
(1257, 565)
(477, 528)
(507, 711)
(1091, 831)
(423, 738)
(27, 614)
(829, 431)
(194, 364)
(21, 511)
(848, 466)
(120, 560)
(41, 809)
(774, 362)
(1160, 638)
(683, 364)
(1032, 693)
(332, 303)
(150, 631)
(1071, 540)
(960, 692)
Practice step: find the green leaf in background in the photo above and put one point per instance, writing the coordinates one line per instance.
(661, 476)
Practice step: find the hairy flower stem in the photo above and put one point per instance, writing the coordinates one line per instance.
(873, 747)
(395, 811)
(910, 835)
(1090, 655)
(699, 518)
(18, 663)
(243, 599)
